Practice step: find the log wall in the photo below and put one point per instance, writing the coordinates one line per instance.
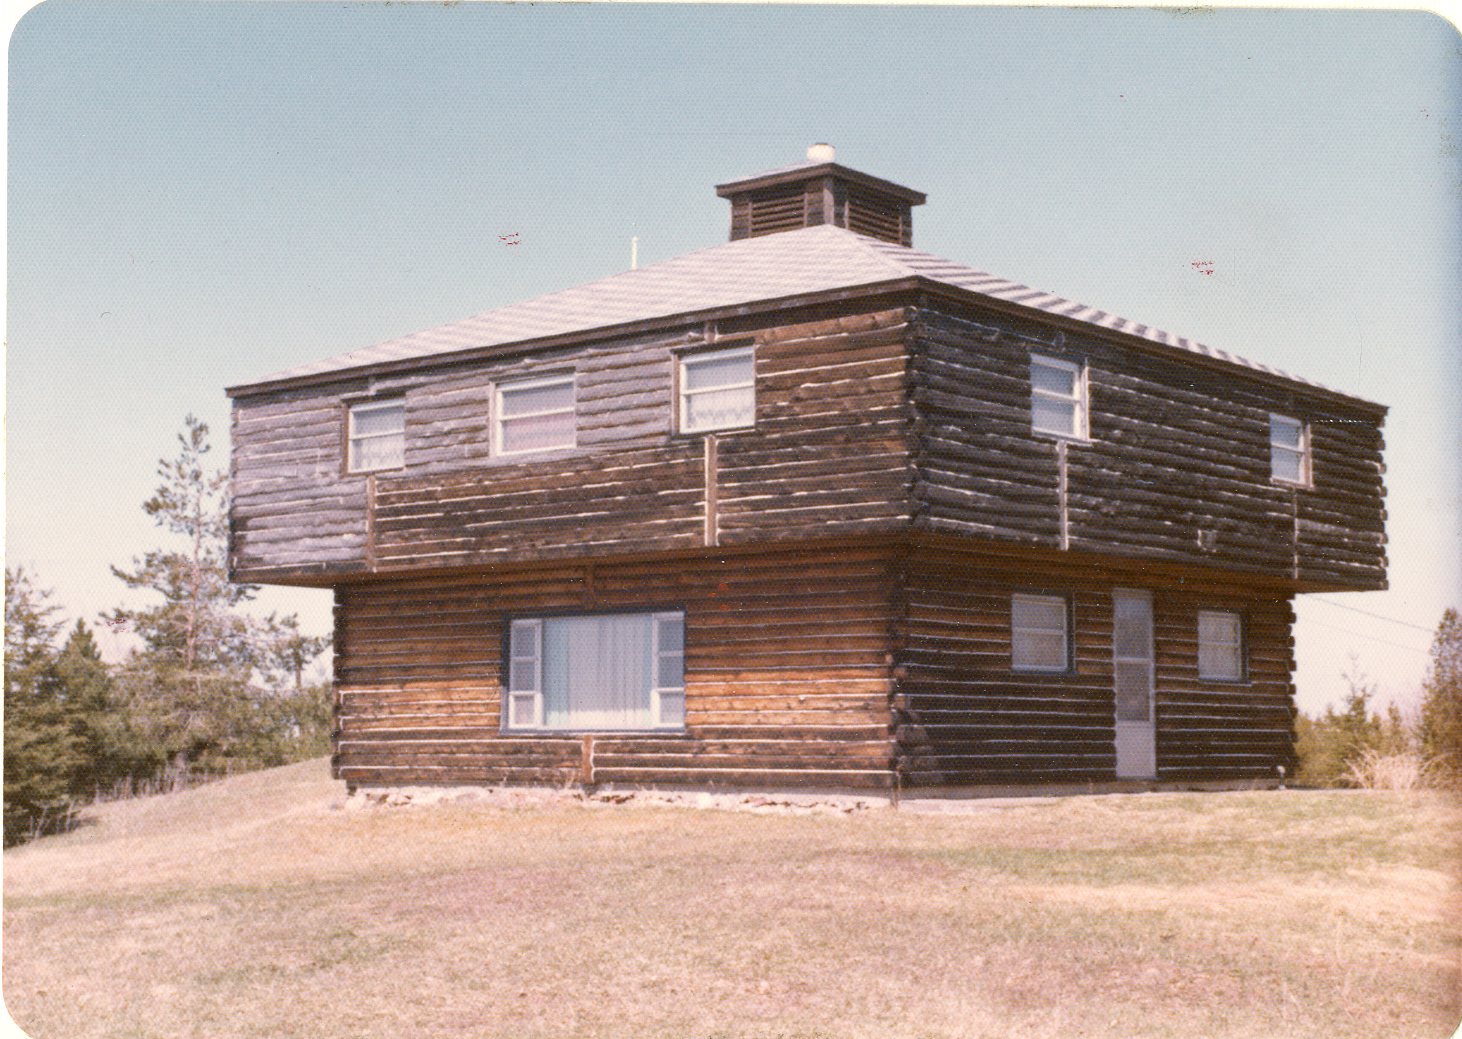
(865, 422)
(828, 454)
(1176, 467)
(786, 658)
(964, 716)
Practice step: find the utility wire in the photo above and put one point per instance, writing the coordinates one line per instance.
(1362, 635)
(1368, 613)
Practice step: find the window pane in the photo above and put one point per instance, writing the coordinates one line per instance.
(596, 672)
(1133, 691)
(1219, 661)
(525, 639)
(1053, 416)
(671, 634)
(1053, 379)
(672, 709)
(368, 421)
(671, 673)
(1287, 465)
(523, 675)
(1132, 640)
(539, 432)
(1048, 614)
(718, 370)
(1044, 650)
(1220, 645)
(1284, 431)
(522, 400)
(720, 409)
(1218, 626)
(378, 453)
(521, 710)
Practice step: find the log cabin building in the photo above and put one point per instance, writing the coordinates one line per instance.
(809, 508)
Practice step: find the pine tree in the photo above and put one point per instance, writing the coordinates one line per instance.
(188, 690)
(1440, 728)
(209, 690)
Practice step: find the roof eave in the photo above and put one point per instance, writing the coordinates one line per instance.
(767, 180)
(918, 282)
(689, 317)
(939, 288)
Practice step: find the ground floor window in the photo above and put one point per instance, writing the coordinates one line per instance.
(1220, 645)
(1039, 639)
(597, 671)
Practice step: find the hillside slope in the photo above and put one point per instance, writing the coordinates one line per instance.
(260, 906)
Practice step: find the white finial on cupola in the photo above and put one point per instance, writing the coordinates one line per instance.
(821, 152)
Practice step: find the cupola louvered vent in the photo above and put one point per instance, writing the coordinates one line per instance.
(767, 212)
(820, 191)
(877, 218)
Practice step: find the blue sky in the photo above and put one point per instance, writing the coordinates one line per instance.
(201, 194)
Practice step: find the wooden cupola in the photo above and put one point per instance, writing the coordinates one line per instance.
(819, 191)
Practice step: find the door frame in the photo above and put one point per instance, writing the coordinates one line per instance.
(1135, 742)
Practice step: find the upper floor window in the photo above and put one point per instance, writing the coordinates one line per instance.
(1058, 397)
(1039, 633)
(377, 435)
(596, 671)
(1289, 450)
(1220, 645)
(717, 390)
(535, 415)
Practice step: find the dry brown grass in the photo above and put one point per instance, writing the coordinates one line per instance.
(256, 908)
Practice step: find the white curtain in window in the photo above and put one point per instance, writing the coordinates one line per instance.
(596, 672)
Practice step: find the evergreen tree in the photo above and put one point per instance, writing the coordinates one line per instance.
(1330, 746)
(109, 749)
(43, 751)
(203, 693)
(30, 633)
(1440, 729)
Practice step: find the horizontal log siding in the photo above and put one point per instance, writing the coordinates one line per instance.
(828, 455)
(787, 673)
(965, 717)
(1176, 451)
(292, 508)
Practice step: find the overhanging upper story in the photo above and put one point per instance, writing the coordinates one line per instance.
(804, 382)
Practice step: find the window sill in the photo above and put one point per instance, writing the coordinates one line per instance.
(688, 434)
(1065, 438)
(665, 731)
(539, 452)
(1297, 485)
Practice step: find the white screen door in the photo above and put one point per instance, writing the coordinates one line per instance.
(1132, 669)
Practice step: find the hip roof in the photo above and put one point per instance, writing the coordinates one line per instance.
(781, 266)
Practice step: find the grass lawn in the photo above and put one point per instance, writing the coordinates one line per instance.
(256, 907)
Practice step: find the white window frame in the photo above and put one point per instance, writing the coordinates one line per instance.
(1077, 399)
(533, 695)
(1240, 655)
(1302, 452)
(685, 393)
(659, 691)
(1065, 630)
(500, 418)
(352, 438)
